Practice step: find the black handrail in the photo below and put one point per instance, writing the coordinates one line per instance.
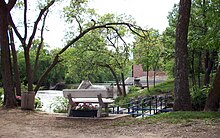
(143, 106)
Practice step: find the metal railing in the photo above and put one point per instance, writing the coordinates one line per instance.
(142, 107)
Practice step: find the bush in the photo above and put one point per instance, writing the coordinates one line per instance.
(199, 96)
(133, 89)
(37, 103)
(60, 105)
(1, 96)
(122, 101)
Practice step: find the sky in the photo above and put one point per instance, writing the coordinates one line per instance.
(147, 13)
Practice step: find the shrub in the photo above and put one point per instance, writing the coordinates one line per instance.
(199, 96)
(122, 101)
(60, 105)
(37, 102)
(1, 96)
(133, 89)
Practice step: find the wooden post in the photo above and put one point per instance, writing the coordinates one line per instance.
(156, 104)
(137, 107)
(27, 100)
(129, 108)
(142, 106)
(117, 109)
(101, 104)
(150, 104)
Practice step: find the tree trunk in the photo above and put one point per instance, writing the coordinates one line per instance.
(116, 80)
(28, 68)
(154, 69)
(212, 103)
(15, 64)
(211, 56)
(206, 68)
(154, 77)
(192, 68)
(181, 85)
(123, 84)
(199, 68)
(147, 78)
(8, 85)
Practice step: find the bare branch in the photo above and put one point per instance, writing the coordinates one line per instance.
(119, 35)
(11, 22)
(107, 25)
(25, 20)
(77, 20)
(40, 45)
(38, 20)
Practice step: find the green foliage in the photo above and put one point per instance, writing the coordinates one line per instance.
(168, 67)
(1, 94)
(122, 101)
(199, 96)
(99, 53)
(203, 35)
(24, 88)
(56, 75)
(147, 50)
(134, 92)
(133, 89)
(37, 103)
(60, 105)
(163, 87)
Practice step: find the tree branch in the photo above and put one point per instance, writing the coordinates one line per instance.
(77, 20)
(43, 76)
(40, 45)
(25, 20)
(55, 61)
(11, 4)
(107, 25)
(11, 22)
(37, 21)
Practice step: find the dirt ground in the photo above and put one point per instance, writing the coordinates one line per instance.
(29, 124)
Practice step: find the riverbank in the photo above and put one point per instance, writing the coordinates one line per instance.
(16, 123)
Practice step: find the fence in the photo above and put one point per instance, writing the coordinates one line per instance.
(142, 107)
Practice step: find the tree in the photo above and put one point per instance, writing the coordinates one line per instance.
(26, 44)
(106, 50)
(147, 51)
(212, 103)
(9, 93)
(17, 80)
(181, 85)
(77, 10)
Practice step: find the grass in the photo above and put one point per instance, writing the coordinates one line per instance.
(180, 117)
(164, 87)
(184, 117)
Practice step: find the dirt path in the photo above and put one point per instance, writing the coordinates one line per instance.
(25, 124)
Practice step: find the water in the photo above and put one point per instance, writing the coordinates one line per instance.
(47, 97)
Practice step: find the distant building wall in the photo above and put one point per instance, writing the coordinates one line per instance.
(137, 71)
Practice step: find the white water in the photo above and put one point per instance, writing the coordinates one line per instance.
(47, 97)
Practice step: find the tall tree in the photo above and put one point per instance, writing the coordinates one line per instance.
(181, 85)
(147, 52)
(212, 103)
(17, 80)
(27, 43)
(9, 93)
